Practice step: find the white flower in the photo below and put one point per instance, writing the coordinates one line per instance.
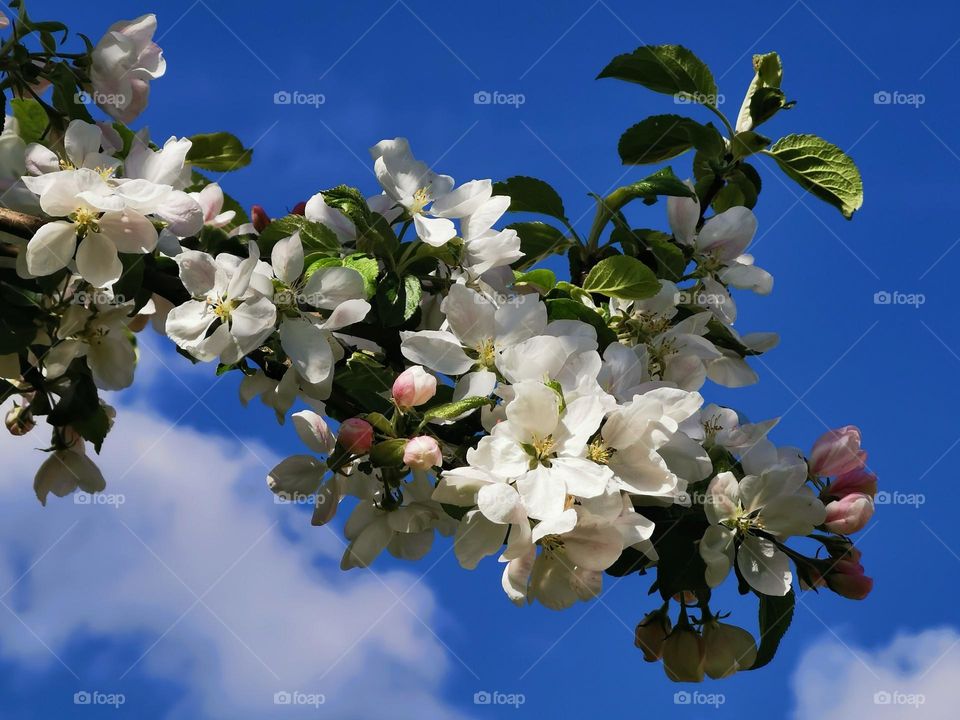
(222, 294)
(317, 210)
(210, 200)
(475, 326)
(775, 503)
(65, 471)
(123, 63)
(101, 336)
(414, 186)
(304, 336)
(82, 143)
(81, 195)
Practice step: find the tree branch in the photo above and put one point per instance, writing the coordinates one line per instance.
(20, 224)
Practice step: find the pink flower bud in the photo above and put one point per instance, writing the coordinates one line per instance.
(414, 386)
(849, 514)
(259, 218)
(356, 436)
(847, 580)
(300, 208)
(837, 452)
(854, 481)
(422, 453)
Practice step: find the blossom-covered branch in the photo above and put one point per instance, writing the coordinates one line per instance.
(441, 380)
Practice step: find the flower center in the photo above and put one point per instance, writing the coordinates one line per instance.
(420, 200)
(86, 220)
(599, 452)
(486, 354)
(223, 308)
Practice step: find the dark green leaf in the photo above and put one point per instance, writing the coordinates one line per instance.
(541, 279)
(537, 241)
(528, 194)
(775, 616)
(318, 240)
(670, 69)
(567, 309)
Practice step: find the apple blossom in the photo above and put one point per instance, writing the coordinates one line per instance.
(849, 514)
(852, 481)
(123, 63)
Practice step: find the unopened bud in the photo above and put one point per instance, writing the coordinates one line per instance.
(422, 453)
(849, 514)
(300, 208)
(413, 387)
(854, 481)
(847, 579)
(356, 436)
(259, 218)
(837, 452)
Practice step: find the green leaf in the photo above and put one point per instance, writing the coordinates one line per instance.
(541, 279)
(622, 277)
(670, 69)
(820, 168)
(218, 151)
(775, 616)
(67, 95)
(31, 118)
(652, 247)
(655, 139)
(317, 239)
(397, 301)
(528, 194)
(451, 410)
(764, 98)
(567, 309)
(537, 241)
(368, 268)
(661, 137)
(380, 422)
(662, 182)
(388, 453)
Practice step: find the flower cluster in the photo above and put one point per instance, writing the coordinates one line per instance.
(441, 382)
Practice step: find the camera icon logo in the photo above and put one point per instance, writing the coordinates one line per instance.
(282, 97)
(82, 498)
(882, 698)
(282, 698)
(482, 698)
(882, 298)
(882, 97)
(681, 697)
(81, 697)
(482, 97)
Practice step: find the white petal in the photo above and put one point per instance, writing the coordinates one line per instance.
(543, 496)
(764, 567)
(308, 348)
(129, 231)
(437, 350)
(330, 286)
(51, 248)
(287, 259)
(499, 502)
(97, 260)
(436, 232)
(476, 538)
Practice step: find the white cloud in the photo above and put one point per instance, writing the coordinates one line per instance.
(197, 521)
(912, 678)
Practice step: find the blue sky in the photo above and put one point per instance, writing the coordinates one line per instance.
(101, 588)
